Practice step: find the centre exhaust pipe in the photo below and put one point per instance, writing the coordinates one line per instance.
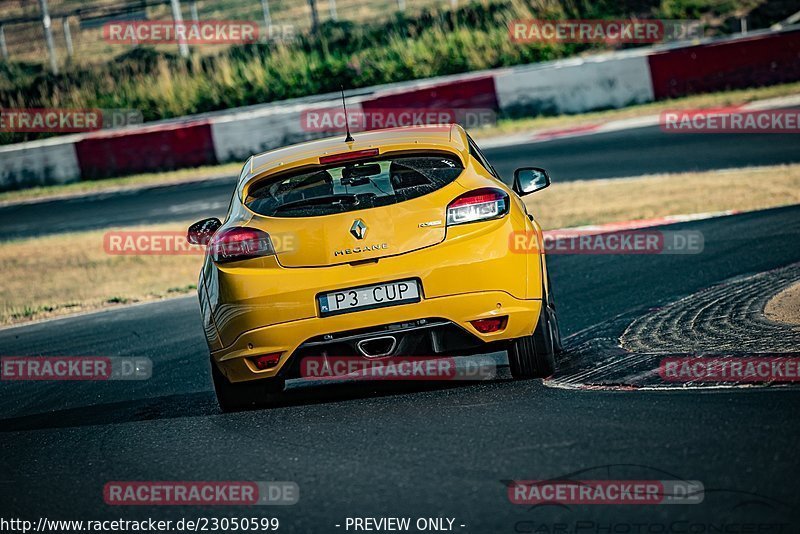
(377, 347)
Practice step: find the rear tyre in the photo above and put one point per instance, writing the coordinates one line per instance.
(245, 395)
(534, 356)
(555, 333)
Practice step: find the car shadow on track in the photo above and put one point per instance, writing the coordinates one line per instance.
(204, 404)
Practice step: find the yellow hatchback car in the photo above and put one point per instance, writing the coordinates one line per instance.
(397, 243)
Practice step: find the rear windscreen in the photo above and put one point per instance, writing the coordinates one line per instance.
(352, 186)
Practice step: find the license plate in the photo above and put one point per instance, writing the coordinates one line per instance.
(368, 297)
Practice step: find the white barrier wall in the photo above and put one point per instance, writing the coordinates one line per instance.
(240, 135)
(45, 162)
(575, 85)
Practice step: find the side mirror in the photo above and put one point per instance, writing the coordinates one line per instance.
(200, 232)
(529, 180)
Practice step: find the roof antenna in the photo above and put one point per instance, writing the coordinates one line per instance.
(349, 138)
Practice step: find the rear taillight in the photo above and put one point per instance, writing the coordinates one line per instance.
(477, 205)
(239, 243)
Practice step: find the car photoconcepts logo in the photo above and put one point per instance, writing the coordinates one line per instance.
(561, 504)
(578, 488)
(359, 229)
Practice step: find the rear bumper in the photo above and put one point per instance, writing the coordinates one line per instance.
(286, 338)
(474, 258)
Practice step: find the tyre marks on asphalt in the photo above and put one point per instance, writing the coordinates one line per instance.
(726, 319)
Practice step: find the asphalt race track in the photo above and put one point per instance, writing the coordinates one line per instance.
(613, 154)
(357, 450)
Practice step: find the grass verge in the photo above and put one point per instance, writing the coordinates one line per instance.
(67, 273)
(601, 201)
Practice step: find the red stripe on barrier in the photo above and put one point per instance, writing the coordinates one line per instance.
(478, 92)
(154, 148)
(747, 62)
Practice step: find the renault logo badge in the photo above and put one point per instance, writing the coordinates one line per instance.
(359, 229)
